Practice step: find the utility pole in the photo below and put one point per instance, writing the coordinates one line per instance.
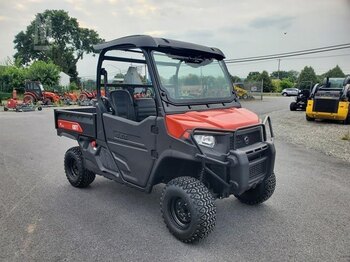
(278, 71)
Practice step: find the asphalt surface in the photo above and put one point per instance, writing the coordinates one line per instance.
(43, 218)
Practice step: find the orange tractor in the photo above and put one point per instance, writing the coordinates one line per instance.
(85, 97)
(19, 106)
(35, 92)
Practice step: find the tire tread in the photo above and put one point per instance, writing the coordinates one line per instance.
(87, 177)
(203, 202)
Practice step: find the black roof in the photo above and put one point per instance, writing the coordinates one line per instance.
(160, 44)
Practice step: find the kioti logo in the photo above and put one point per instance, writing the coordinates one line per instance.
(246, 140)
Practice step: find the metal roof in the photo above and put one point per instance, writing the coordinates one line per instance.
(160, 44)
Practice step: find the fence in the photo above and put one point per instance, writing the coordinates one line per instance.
(249, 89)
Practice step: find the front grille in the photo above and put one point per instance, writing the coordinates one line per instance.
(257, 170)
(326, 105)
(246, 137)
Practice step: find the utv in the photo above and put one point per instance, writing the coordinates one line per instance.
(175, 120)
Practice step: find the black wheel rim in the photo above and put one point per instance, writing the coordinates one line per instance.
(74, 170)
(180, 212)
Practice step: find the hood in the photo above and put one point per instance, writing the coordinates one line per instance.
(228, 119)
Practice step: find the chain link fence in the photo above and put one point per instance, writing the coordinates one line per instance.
(249, 89)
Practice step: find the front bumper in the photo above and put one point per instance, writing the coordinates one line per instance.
(250, 166)
(242, 168)
(245, 168)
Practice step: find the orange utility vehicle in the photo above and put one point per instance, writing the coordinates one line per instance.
(187, 130)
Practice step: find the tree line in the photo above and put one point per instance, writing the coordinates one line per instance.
(279, 80)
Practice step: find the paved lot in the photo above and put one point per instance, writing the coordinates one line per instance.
(43, 218)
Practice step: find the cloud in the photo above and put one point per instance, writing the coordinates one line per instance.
(281, 22)
(141, 8)
(3, 18)
(156, 33)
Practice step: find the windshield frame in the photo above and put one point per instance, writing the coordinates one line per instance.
(187, 102)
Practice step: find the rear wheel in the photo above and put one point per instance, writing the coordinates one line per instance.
(28, 99)
(188, 209)
(293, 106)
(6, 109)
(76, 173)
(260, 193)
(309, 118)
(284, 94)
(245, 96)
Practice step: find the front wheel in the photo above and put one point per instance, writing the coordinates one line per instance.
(293, 106)
(188, 209)
(284, 94)
(76, 173)
(260, 193)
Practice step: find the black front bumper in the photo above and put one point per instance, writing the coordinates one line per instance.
(246, 167)
(250, 166)
(243, 167)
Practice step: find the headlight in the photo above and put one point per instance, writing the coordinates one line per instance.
(205, 140)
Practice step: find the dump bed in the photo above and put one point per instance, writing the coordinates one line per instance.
(76, 122)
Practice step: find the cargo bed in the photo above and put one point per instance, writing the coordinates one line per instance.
(76, 122)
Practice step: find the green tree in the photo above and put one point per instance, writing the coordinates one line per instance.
(235, 79)
(12, 77)
(61, 40)
(286, 83)
(307, 78)
(267, 84)
(261, 77)
(334, 72)
(292, 75)
(253, 76)
(276, 85)
(46, 73)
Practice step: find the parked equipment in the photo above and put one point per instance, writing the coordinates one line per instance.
(330, 100)
(86, 97)
(191, 135)
(35, 92)
(300, 101)
(69, 98)
(19, 106)
(240, 91)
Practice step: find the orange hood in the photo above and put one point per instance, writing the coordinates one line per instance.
(229, 119)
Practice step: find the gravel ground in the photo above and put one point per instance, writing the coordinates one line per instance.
(324, 136)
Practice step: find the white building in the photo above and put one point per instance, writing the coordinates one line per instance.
(64, 79)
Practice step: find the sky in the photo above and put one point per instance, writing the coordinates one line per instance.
(239, 28)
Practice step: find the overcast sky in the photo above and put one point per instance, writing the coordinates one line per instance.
(240, 28)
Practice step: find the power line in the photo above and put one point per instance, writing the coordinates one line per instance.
(287, 59)
(316, 57)
(305, 50)
(289, 54)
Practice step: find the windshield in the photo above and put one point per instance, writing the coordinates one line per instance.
(193, 79)
(335, 83)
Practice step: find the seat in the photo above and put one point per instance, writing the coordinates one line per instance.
(145, 107)
(122, 103)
